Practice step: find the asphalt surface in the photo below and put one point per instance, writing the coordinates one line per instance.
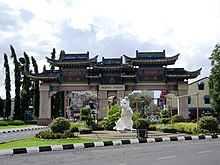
(193, 152)
(7, 135)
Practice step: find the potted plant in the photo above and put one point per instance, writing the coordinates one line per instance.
(142, 126)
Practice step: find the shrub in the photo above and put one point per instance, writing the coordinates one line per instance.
(166, 129)
(74, 126)
(164, 117)
(91, 123)
(85, 114)
(3, 123)
(186, 127)
(142, 123)
(103, 124)
(152, 127)
(208, 124)
(48, 134)
(113, 115)
(178, 118)
(16, 122)
(169, 130)
(59, 125)
(85, 130)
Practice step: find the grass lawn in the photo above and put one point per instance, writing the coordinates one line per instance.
(16, 126)
(36, 142)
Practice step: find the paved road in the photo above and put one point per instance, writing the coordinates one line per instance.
(172, 153)
(7, 137)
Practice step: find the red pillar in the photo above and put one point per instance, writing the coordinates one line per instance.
(64, 105)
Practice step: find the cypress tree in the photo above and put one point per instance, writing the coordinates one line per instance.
(53, 54)
(62, 52)
(1, 107)
(7, 87)
(44, 68)
(36, 92)
(26, 84)
(17, 110)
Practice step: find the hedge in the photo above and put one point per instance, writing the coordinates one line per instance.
(190, 128)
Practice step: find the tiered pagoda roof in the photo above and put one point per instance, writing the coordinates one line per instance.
(175, 73)
(146, 66)
(110, 64)
(77, 59)
(151, 58)
(45, 75)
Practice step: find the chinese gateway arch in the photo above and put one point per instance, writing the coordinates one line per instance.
(112, 76)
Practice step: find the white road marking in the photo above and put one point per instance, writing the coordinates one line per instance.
(202, 152)
(168, 157)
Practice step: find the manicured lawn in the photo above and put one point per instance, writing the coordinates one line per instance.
(36, 142)
(17, 126)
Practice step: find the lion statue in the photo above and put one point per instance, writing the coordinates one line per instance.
(125, 122)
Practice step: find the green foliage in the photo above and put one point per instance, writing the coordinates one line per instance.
(164, 117)
(113, 116)
(17, 110)
(26, 84)
(190, 128)
(166, 129)
(84, 130)
(178, 118)
(16, 122)
(143, 101)
(3, 123)
(62, 52)
(103, 124)
(74, 126)
(85, 115)
(169, 130)
(57, 103)
(49, 134)
(59, 125)
(142, 123)
(152, 127)
(53, 54)
(214, 81)
(1, 107)
(208, 124)
(7, 88)
(36, 90)
(91, 123)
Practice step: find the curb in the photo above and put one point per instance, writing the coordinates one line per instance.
(102, 144)
(23, 129)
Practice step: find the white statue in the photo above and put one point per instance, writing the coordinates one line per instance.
(125, 122)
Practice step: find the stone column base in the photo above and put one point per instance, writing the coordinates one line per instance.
(44, 121)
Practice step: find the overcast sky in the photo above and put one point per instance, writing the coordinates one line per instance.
(110, 28)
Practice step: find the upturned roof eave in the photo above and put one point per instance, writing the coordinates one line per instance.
(61, 63)
(188, 75)
(165, 61)
(41, 77)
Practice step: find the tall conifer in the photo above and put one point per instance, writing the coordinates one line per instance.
(36, 92)
(17, 110)
(7, 87)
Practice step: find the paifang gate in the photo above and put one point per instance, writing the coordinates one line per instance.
(146, 71)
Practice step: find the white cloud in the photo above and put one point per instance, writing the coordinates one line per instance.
(111, 28)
